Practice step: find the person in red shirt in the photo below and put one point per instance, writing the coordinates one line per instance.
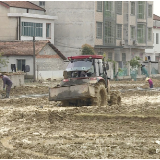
(150, 82)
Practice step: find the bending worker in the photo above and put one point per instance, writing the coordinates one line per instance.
(8, 82)
(144, 70)
(150, 82)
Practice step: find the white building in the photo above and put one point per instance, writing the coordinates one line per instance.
(154, 54)
(21, 20)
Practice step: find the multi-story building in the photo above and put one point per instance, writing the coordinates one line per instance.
(21, 20)
(154, 54)
(120, 29)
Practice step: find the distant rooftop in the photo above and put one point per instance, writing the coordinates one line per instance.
(155, 17)
(25, 48)
(21, 4)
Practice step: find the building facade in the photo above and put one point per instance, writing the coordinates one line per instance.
(49, 61)
(21, 20)
(118, 29)
(154, 54)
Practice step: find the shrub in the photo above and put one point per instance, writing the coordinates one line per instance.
(87, 49)
(135, 62)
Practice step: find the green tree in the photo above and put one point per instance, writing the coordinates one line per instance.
(3, 62)
(87, 49)
(135, 62)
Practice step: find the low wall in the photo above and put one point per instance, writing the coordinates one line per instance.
(43, 75)
(138, 77)
(17, 79)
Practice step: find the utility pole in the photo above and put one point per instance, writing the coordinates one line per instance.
(34, 72)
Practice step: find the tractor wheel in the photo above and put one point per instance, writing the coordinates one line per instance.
(101, 95)
(115, 98)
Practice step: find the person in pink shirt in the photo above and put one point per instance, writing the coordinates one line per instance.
(150, 82)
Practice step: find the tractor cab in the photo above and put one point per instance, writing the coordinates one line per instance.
(85, 66)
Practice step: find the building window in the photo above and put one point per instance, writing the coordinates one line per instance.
(157, 38)
(99, 6)
(153, 37)
(141, 33)
(119, 7)
(132, 8)
(32, 29)
(20, 64)
(110, 56)
(149, 10)
(41, 3)
(149, 34)
(109, 33)
(132, 32)
(141, 9)
(108, 8)
(119, 31)
(99, 30)
(48, 30)
(124, 57)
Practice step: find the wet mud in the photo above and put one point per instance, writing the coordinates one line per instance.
(34, 127)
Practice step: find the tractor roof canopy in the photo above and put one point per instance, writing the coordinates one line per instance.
(86, 57)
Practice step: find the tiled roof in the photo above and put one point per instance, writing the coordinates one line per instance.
(155, 17)
(25, 48)
(22, 4)
(57, 51)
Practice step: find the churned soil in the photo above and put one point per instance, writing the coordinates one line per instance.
(31, 126)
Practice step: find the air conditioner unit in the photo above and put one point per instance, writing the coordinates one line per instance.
(122, 43)
(135, 42)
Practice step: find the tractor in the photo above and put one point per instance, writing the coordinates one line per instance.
(85, 83)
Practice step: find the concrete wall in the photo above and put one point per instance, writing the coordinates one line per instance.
(43, 75)
(75, 25)
(49, 64)
(23, 10)
(8, 26)
(17, 80)
(17, 10)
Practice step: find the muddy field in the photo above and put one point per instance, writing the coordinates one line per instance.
(33, 127)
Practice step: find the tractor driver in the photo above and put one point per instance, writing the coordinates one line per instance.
(83, 74)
